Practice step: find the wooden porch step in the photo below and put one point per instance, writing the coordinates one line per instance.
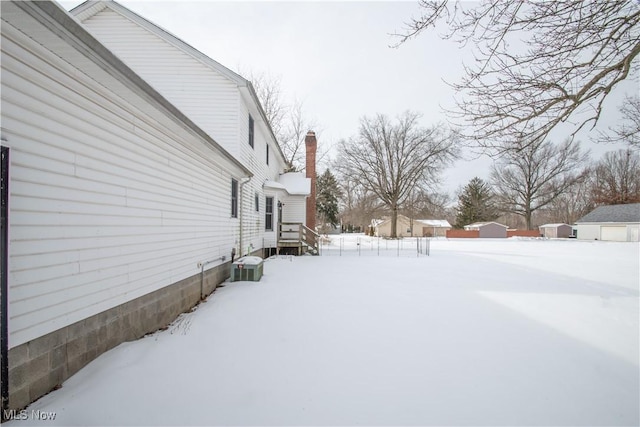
(289, 243)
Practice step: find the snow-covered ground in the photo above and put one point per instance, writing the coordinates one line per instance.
(481, 332)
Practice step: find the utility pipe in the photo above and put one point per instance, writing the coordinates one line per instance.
(241, 197)
(202, 265)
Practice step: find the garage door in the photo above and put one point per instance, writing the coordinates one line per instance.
(615, 234)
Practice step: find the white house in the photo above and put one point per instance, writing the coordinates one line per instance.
(221, 102)
(619, 223)
(121, 206)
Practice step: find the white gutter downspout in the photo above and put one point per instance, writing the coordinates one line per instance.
(242, 183)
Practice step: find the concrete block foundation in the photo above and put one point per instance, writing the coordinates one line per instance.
(41, 365)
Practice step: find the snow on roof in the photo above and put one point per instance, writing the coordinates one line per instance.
(274, 185)
(613, 213)
(427, 222)
(296, 183)
(553, 225)
(435, 222)
(482, 224)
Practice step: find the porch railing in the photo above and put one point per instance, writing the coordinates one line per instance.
(295, 234)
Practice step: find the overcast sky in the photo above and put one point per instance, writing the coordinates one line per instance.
(335, 56)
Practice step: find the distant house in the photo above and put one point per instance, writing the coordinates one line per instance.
(406, 227)
(618, 223)
(488, 229)
(556, 230)
(431, 227)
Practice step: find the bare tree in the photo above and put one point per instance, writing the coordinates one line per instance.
(269, 91)
(538, 63)
(574, 203)
(392, 159)
(291, 139)
(629, 131)
(538, 174)
(288, 121)
(358, 205)
(616, 178)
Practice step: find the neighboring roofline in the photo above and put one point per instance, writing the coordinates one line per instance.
(182, 45)
(608, 222)
(479, 224)
(616, 212)
(58, 21)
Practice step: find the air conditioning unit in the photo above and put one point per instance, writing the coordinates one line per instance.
(247, 269)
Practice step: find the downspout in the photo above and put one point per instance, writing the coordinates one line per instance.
(241, 196)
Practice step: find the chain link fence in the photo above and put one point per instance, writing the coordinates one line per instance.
(362, 245)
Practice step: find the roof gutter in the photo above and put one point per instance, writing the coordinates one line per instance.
(70, 30)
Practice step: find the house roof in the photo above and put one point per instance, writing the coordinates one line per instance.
(296, 183)
(613, 213)
(293, 183)
(427, 222)
(90, 8)
(435, 222)
(482, 224)
(553, 225)
(93, 58)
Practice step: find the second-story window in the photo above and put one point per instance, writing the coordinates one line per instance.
(267, 154)
(250, 131)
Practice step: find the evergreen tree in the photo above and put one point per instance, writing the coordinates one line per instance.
(475, 204)
(327, 194)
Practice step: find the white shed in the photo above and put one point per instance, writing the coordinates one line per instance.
(619, 223)
(554, 231)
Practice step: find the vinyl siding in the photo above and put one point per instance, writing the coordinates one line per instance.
(206, 96)
(106, 204)
(294, 209)
(209, 99)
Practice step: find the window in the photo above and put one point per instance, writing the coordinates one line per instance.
(257, 200)
(234, 198)
(267, 153)
(268, 214)
(250, 131)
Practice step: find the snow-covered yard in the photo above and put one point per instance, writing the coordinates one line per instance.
(482, 332)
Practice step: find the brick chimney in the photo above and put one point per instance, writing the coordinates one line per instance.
(311, 144)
